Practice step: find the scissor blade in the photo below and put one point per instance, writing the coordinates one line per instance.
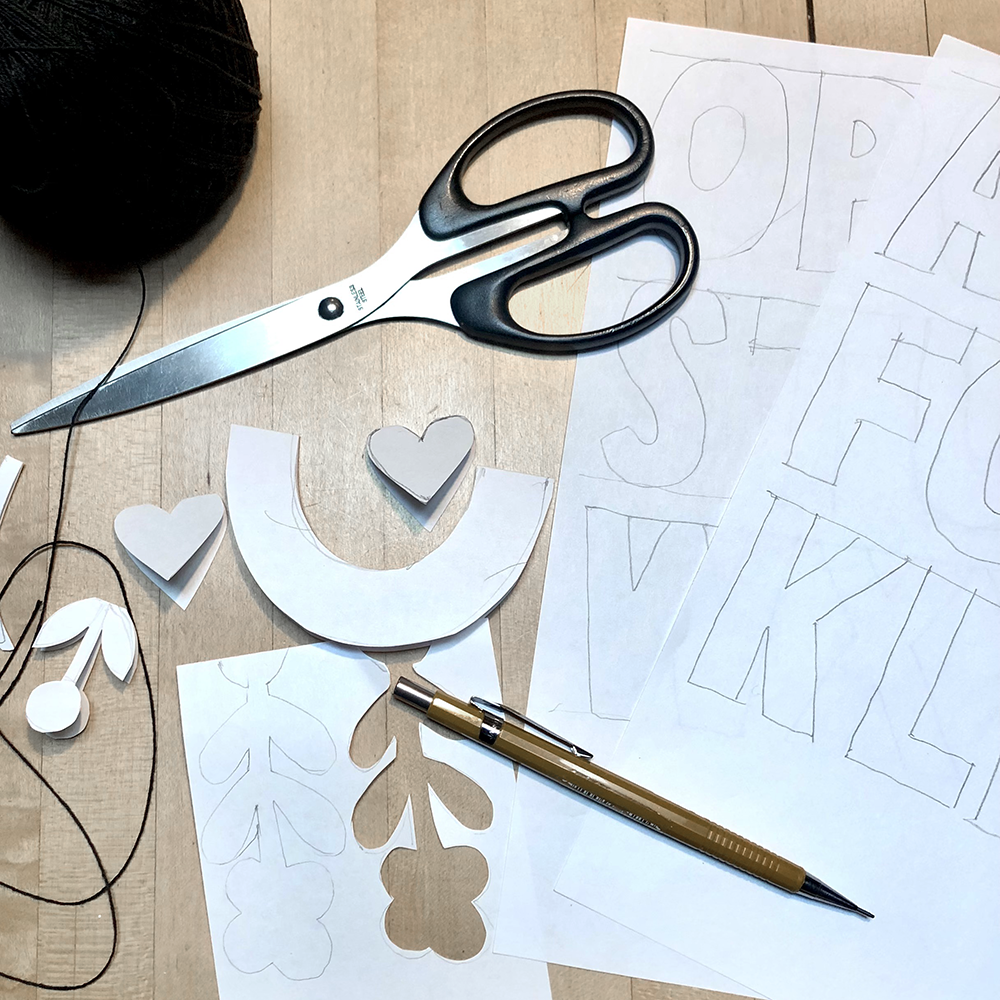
(198, 361)
(264, 336)
(235, 347)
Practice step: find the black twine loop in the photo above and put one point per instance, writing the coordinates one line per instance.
(35, 619)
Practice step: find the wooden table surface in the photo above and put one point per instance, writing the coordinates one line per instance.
(362, 104)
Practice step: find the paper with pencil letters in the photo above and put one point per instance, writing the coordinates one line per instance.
(770, 148)
(831, 687)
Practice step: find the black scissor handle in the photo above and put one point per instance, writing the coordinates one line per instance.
(446, 211)
(482, 306)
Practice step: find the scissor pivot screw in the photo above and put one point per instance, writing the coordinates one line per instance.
(331, 308)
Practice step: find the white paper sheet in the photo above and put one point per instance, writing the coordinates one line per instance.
(448, 590)
(831, 688)
(295, 904)
(769, 147)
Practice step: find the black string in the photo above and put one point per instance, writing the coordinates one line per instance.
(33, 624)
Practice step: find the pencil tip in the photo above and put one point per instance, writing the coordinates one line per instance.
(822, 893)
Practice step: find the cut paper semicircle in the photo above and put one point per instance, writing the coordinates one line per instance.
(458, 583)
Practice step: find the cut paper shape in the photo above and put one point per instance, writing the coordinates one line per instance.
(174, 550)
(458, 583)
(60, 709)
(235, 712)
(444, 873)
(421, 465)
(10, 470)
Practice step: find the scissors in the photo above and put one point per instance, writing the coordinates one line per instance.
(475, 298)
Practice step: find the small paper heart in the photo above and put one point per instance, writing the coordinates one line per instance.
(165, 542)
(421, 465)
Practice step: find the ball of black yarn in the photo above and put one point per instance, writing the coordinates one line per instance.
(125, 124)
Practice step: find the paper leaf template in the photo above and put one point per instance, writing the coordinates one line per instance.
(450, 589)
(421, 465)
(118, 642)
(68, 623)
(275, 746)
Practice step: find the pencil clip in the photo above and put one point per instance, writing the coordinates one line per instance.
(489, 706)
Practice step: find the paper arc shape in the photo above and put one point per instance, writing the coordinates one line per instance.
(174, 550)
(421, 465)
(458, 583)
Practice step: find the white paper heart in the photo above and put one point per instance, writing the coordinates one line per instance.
(165, 542)
(421, 465)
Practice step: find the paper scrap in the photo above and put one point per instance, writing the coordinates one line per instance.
(60, 709)
(174, 550)
(296, 906)
(831, 688)
(770, 148)
(454, 586)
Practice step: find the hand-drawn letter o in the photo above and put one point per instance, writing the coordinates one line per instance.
(737, 114)
(718, 138)
(963, 483)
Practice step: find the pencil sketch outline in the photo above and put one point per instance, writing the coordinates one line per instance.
(246, 933)
(820, 125)
(911, 735)
(823, 257)
(760, 661)
(805, 463)
(976, 539)
(967, 597)
(607, 586)
(990, 790)
(994, 166)
(754, 236)
(719, 332)
(895, 248)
